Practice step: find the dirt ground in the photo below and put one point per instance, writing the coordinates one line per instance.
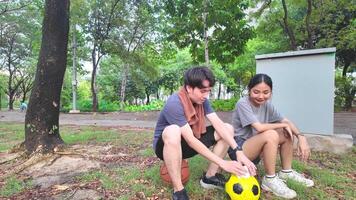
(344, 122)
(55, 175)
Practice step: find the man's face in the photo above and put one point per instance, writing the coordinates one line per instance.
(199, 95)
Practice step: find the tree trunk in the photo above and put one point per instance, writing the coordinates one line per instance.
(123, 86)
(42, 116)
(307, 24)
(206, 48)
(11, 100)
(219, 91)
(157, 94)
(347, 63)
(147, 98)
(95, 104)
(287, 29)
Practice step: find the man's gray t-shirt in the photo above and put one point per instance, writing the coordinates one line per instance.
(173, 113)
(246, 114)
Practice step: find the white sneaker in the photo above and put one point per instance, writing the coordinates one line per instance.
(293, 175)
(278, 187)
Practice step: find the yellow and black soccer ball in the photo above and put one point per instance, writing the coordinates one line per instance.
(243, 188)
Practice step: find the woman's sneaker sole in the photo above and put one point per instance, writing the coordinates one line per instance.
(266, 188)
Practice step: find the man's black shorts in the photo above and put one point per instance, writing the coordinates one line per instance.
(207, 139)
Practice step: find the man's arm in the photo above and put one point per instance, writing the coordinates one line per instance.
(229, 166)
(220, 127)
(227, 136)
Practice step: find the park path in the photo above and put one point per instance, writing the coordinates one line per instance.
(344, 122)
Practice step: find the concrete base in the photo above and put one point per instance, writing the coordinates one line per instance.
(339, 144)
(74, 111)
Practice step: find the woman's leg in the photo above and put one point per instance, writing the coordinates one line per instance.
(265, 143)
(286, 150)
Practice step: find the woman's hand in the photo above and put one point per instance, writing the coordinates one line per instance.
(303, 148)
(288, 130)
(246, 162)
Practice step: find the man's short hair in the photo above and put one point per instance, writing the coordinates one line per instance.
(195, 76)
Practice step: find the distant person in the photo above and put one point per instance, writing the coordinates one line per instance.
(23, 107)
(262, 131)
(181, 133)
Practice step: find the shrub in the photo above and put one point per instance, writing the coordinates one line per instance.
(154, 105)
(224, 104)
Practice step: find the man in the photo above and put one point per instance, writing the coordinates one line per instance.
(181, 133)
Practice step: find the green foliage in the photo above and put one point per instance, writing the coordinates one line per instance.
(12, 186)
(154, 105)
(224, 104)
(224, 19)
(345, 90)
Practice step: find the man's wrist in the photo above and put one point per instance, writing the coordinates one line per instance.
(237, 148)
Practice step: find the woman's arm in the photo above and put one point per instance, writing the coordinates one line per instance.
(303, 146)
(262, 127)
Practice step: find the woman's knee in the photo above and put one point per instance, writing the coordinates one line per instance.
(171, 135)
(271, 136)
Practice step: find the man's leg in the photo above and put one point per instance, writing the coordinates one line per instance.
(220, 149)
(172, 155)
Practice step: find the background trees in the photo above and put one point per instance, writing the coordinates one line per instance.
(135, 52)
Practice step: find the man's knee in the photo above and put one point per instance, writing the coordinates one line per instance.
(171, 135)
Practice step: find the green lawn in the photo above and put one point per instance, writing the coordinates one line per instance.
(334, 175)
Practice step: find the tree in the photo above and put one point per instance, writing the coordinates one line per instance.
(131, 34)
(42, 116)
(101, 18)
(14, 50)
(220, 24)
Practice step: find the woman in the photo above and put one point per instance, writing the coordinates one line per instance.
(261, 130)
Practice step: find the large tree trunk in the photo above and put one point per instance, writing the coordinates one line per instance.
(287, 29)
(42, 116)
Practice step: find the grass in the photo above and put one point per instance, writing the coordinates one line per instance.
(12, 186)
(334, 175)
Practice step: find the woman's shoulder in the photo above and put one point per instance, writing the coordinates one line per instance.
(243, 101)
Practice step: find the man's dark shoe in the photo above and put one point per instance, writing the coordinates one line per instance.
(180, 195)
(217, 181)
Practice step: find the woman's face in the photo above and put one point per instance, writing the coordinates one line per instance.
(260, 93)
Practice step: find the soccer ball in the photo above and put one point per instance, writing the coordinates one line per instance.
(243, 188)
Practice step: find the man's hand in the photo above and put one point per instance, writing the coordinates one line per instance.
(303, 148)
(233, 167)
(246, 162)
